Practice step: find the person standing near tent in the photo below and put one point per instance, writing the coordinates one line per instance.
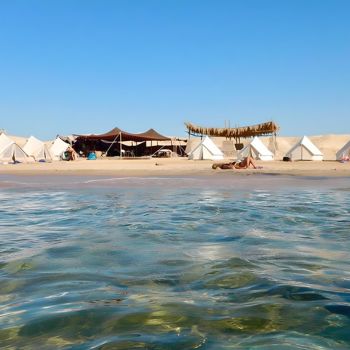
(345, 158)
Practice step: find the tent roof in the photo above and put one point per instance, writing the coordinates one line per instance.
(58, 147)
(10, 150)
(260, 147)
(114, 134)
(208, 143)
(306, 142)
(5, 141)
(19, 140)
(153, 134)
(261, 151)
(210, 147)
(343, 150)
(36, 149)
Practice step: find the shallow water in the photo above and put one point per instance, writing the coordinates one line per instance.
(252, 262)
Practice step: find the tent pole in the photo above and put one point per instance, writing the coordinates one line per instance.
(301, 152)
(111, 145)
(229, 127)
(157, 151)
(120, 145)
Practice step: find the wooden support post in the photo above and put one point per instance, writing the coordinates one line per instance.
(120, 146)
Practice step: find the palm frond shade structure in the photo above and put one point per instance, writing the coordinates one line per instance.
(268, 128)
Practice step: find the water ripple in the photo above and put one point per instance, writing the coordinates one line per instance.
(175, 268)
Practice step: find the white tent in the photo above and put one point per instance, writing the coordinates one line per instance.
(37, 149)
(344, 152)
(206, 149)
(257, 150)
(11, 152)
(57, 148)
(304, 149)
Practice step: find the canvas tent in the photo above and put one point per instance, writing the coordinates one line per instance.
(37, 149)
(206, 149)
(257, 150)
(57, 148)
(304, 149)
(344, 152)
(11, 152)
(117, 142)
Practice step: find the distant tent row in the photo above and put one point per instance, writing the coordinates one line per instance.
(304, 149)
(33, 150)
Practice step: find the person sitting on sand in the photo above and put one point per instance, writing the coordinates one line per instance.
(345, 158)
(243, 164)
(70, 154)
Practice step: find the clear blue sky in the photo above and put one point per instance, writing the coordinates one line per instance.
(87, 66)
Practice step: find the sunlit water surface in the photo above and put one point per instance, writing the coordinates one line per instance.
(229, 263)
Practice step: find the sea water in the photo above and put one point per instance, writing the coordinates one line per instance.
(230, 262)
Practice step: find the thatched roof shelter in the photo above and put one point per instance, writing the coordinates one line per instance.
(268, 128)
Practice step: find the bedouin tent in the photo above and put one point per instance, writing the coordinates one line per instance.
(37, 149)
(304, 149)
(257, 150)
(112, 142)
(11, 152)
(206, 149)
(57, 148)
(344, 152)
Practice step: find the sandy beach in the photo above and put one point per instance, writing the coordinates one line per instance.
(172, 167)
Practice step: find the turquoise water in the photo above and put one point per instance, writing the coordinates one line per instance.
(245, 262)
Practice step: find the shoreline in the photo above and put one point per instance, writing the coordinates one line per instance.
(173, 167)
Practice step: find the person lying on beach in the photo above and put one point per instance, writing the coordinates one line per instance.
(243, 164)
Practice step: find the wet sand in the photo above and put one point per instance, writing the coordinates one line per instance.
(172, 167)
